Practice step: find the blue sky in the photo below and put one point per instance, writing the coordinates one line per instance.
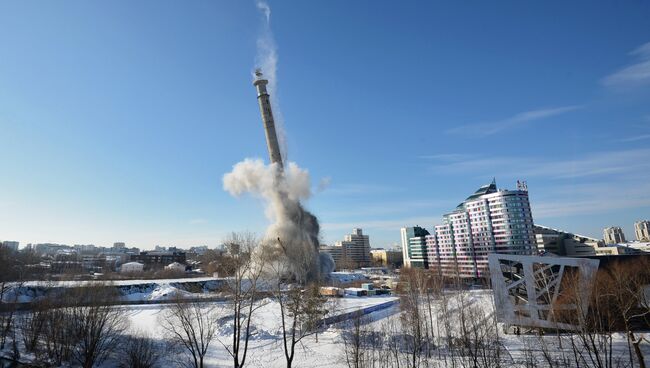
(118, 119)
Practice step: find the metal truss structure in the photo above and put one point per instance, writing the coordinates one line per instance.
(528, 289)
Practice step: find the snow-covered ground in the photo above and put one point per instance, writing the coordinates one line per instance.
(320, 350)
(326, 349)
(131, 290)
(112, 282)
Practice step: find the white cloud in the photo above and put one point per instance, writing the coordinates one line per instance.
(427, 222)
(446, 156)
(389, 208)
(485, 129)
(636, 138)
(632, 75)
(642, 51)
(592, 198)
(591, 164)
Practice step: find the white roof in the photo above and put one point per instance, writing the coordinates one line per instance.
(133, 264)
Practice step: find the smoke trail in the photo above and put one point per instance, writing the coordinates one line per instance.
(267, 60)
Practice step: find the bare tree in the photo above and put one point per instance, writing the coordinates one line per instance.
(32, 324)
(412, 317)
(301, 306)
(191, 326)
(353, 344)
(245, 265)
(140, 352)
(626, 282)
(58, 335)
(10, 284)
(595, 318)
(96, 323)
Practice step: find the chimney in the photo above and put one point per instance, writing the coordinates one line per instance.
(267, 118)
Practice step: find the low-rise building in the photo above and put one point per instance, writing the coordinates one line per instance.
(387, 257)
(132, 267)
(158, 259)
(563, 243)
(614, 250)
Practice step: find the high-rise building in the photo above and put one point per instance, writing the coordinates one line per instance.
(490, 220)
(357, 248)
(352, 252)
(414, 248)
(613, 235)
(642, 230)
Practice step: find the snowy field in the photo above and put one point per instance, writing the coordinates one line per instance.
(327, 348)
(319, 350)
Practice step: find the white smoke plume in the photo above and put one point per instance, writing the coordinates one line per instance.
(297, 229)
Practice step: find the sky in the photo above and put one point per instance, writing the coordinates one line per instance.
(119, 119)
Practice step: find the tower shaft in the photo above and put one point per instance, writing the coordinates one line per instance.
(264, 101)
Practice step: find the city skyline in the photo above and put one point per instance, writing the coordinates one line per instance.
(119, 125)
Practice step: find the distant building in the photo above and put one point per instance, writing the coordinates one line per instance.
(158, 259)
(357, 248)
(132, 267)
(100, 263)
(336, 252)
(65, 266)
(119, 245)
(642, 230)
(86, 248)
(12, 245)
(563, 243)
(488, 221)
(50, 248)
(615, 250)
(387, 257)
(414, 250)
(200, 250)
(352, 252)
(613, 235)
(638, 247)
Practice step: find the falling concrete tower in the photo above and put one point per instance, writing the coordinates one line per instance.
(267, 118)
